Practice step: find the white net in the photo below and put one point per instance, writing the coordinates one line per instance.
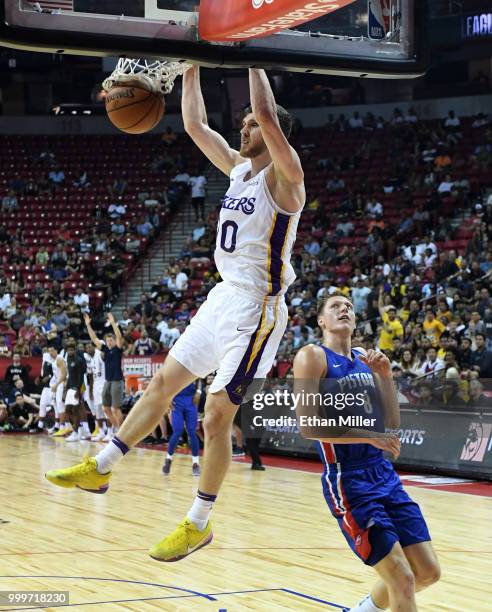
(157, 74)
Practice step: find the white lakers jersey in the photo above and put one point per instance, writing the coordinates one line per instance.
(254, 236)
(57, 370)
(98, 368)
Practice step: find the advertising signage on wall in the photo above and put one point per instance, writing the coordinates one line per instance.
(436, 440)
(476, 26)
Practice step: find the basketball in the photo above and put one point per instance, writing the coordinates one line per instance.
(134, 108)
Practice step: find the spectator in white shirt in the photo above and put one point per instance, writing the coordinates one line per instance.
(125, 320)
(199, 230)
(57, 176)
(4, 299)
(312, 247)
(432, 364)
(182, 177)
(374, 208)
(446, 185)
(344, 227)
(429, 258)
(426, 244)
(360, 295)
(198, 192)
(181, 281)
(162, 327)
(480, 121)
(115, 211)
(81, 299)
(452, 121)
(169, 336)
(356, 122)
(411, 116)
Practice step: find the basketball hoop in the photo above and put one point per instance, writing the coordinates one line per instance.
(159, 75)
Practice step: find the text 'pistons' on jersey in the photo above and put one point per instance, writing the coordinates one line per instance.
(254, 236)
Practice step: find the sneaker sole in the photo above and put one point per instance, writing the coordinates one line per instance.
(99, 491)
(174, 559)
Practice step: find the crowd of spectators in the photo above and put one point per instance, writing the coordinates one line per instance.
(420, 296)
(418, 274)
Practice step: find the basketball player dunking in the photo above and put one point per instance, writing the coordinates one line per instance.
(380, 522)
(236, 332)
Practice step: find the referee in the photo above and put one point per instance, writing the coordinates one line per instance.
(112, 353)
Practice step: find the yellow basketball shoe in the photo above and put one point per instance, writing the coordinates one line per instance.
(62, 432)
(184, 540)
(83, 476)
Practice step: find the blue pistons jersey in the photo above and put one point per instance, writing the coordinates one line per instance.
(352, 376)
(361, 488)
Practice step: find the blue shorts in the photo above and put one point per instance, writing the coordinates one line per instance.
(373, 510)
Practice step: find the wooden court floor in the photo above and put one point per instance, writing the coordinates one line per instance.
(276, 547)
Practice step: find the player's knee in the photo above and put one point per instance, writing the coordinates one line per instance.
(428, 575)
(402, 579)
(407, 581)
(216, 422)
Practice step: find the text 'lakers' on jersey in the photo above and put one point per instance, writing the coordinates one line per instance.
(352, 376)
(254, 236)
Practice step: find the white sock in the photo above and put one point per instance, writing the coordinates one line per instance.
(110, 455)
(200, 510)
(67, 424)
(170, 457)
(85, 427)
(366, 605)
(40, 424)
(195, 460)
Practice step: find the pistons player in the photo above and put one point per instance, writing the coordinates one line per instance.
(380, 522)
(237, 330)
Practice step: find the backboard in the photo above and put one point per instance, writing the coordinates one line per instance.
(353, 40)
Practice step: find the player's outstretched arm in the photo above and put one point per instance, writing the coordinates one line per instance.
(211, 143)
(94, 339)
(286, 162)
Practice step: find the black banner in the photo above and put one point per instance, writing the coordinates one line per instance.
(438, 440)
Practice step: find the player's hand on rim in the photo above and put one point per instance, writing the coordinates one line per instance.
(378, 362)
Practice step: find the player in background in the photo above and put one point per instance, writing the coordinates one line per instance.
(46, 401)
(380, 522)
(94, 388)
(237, 330)
(57, 384)
(113, 387)
(76, 368)
(184, 410)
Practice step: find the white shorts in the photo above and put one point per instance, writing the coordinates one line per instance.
(72, 399)
(95, 404)
(46, 401)
(235, 334)
(59, 404)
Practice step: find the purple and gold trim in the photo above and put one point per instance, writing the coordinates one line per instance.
(276, 247)
(237, 387)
